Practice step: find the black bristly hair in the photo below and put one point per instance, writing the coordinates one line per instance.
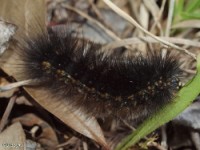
(123, 87)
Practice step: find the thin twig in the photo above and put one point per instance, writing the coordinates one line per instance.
(158, 18)
(190, 71)
(16, 84)
(170, 17)
(128, 125)
(195, 139)
(106, 30)
(141, 40)
(99, 15)
(154, 144)
(97, 12)
(84, 15)
(164, 137)
(154, 9)
(133, 22)
(7, 112)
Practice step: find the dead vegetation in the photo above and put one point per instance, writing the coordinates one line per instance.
(29, 120)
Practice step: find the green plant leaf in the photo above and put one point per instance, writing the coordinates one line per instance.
(183, 99)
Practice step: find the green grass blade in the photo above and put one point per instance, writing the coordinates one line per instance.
(183, 99)
(179, 4)
(193, 5)
(186, 15)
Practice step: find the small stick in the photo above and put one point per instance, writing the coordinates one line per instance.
(170, 17)
(7, 112)
(100, 25)
(133, 22)
(99, 15)
(156, 145)
(140, 40)
(158, 18)
(16, 84)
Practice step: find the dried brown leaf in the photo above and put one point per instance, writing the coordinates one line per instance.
(35, 16)
(74, 118)
(12, 11)
(13, 138)
(47, 137)
(23, 100)
(7, 30)
(24, 13)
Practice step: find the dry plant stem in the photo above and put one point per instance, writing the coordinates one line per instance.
(156, 145)
(169, 18)
(62, 145)
(190, 71)
(195, 139)
(68, 142)
(97, 12)
(164, 136)
(133, 22)
(133, 6)
(7, 112)
(85, 146)
(16, 84)
(84, 15)
(158, 19)
(131, 127)
(128, 125)
(141, 40)
(99, 15)
(107, 31)
(156, 15)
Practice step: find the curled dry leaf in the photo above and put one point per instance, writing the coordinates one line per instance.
(23, 100)
(7, 30)
(22, 13)
(76, 119)
(13, 138)
(15, 14)
(6, 94)
(47, 137)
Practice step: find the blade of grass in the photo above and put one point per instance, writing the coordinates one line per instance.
(183, 99)
(186, 10)
(179, 6)
(187, 15)
(193, 5)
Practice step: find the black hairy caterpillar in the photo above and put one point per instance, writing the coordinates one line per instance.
(123, 87)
